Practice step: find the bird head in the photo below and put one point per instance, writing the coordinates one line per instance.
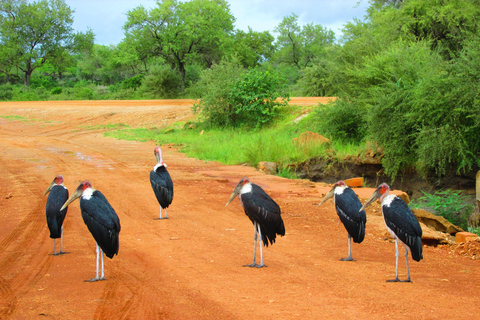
(381, 192)
(237, 189)
(332, 191)
(77, 193)
(58, 180)
(158, 156)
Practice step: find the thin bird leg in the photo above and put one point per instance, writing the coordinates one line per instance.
(261, 245)
(98, 256)
(61, 241)
(349, 250)
(160, 218)
(54, 248)
(103, 273)
(396, 269)
(408, 271)
(253, 264)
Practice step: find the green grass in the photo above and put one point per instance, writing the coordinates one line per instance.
(14, 118)
(238, 146)
(112, 126)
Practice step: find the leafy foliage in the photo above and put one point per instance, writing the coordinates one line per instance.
(452, 205)
(254, 97)
(231, 96)
(213, 88)
(161, 83)
(341, 120)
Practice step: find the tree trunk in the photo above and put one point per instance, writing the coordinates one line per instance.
(182, 72)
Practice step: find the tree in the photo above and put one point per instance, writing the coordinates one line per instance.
(182, 32)
(297, 45)
(37, 32)
(253, 47)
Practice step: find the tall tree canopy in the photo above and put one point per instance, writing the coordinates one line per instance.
(33, 33)
(182, 32)
(297, 45)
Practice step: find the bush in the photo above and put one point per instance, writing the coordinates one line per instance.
(341, 120)
(56, 90)
(213, 88)
(161, 83)
(37, 81)
(6, 92)
(452, 205)
(83, 93)
(254, 97)
(133, 82)
(232, 97)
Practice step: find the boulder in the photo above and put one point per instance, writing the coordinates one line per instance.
(309, 137)
(465, 237)
(267, 167)
(432, 237)
(437, 223)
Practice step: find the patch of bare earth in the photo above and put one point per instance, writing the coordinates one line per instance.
(190, 266)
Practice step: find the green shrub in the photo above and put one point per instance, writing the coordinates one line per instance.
(6, 92)
(254, 97)
(56, 90)
(213, 89)
(133, 82)
(161, 83)
(341, 120)
(83, 93)
(450, 204)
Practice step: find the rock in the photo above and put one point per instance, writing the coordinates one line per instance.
(354, 182)
(309, 137)
(433, 237)
(267, 167)
(465, 237)
(436, 222)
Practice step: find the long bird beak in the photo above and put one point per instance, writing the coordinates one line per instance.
(49, 187)
(328, 196)
(76, 194)
(235, 193)
(372, 198)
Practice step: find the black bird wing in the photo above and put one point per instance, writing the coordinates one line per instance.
(56, 198)
(102, 222)
(401, 220)
(162, 186)
(348, 205)
(265, 211)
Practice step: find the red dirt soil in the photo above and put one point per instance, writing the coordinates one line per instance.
(190, 266)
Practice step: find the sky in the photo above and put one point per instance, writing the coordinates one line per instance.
(107, 17)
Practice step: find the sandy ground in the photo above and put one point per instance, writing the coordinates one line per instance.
(190, 266)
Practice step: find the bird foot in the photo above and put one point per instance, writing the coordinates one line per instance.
(96, 279)
(59, 253)
(254, 265)
(348, 259)
(160, 218)
(398, 280)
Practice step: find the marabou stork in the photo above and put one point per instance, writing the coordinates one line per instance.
(263, 212)
(57, 197)
(401, 223)
(162, 184)
(101, 220)
(347, 205)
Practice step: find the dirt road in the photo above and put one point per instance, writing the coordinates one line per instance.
(190, 266)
